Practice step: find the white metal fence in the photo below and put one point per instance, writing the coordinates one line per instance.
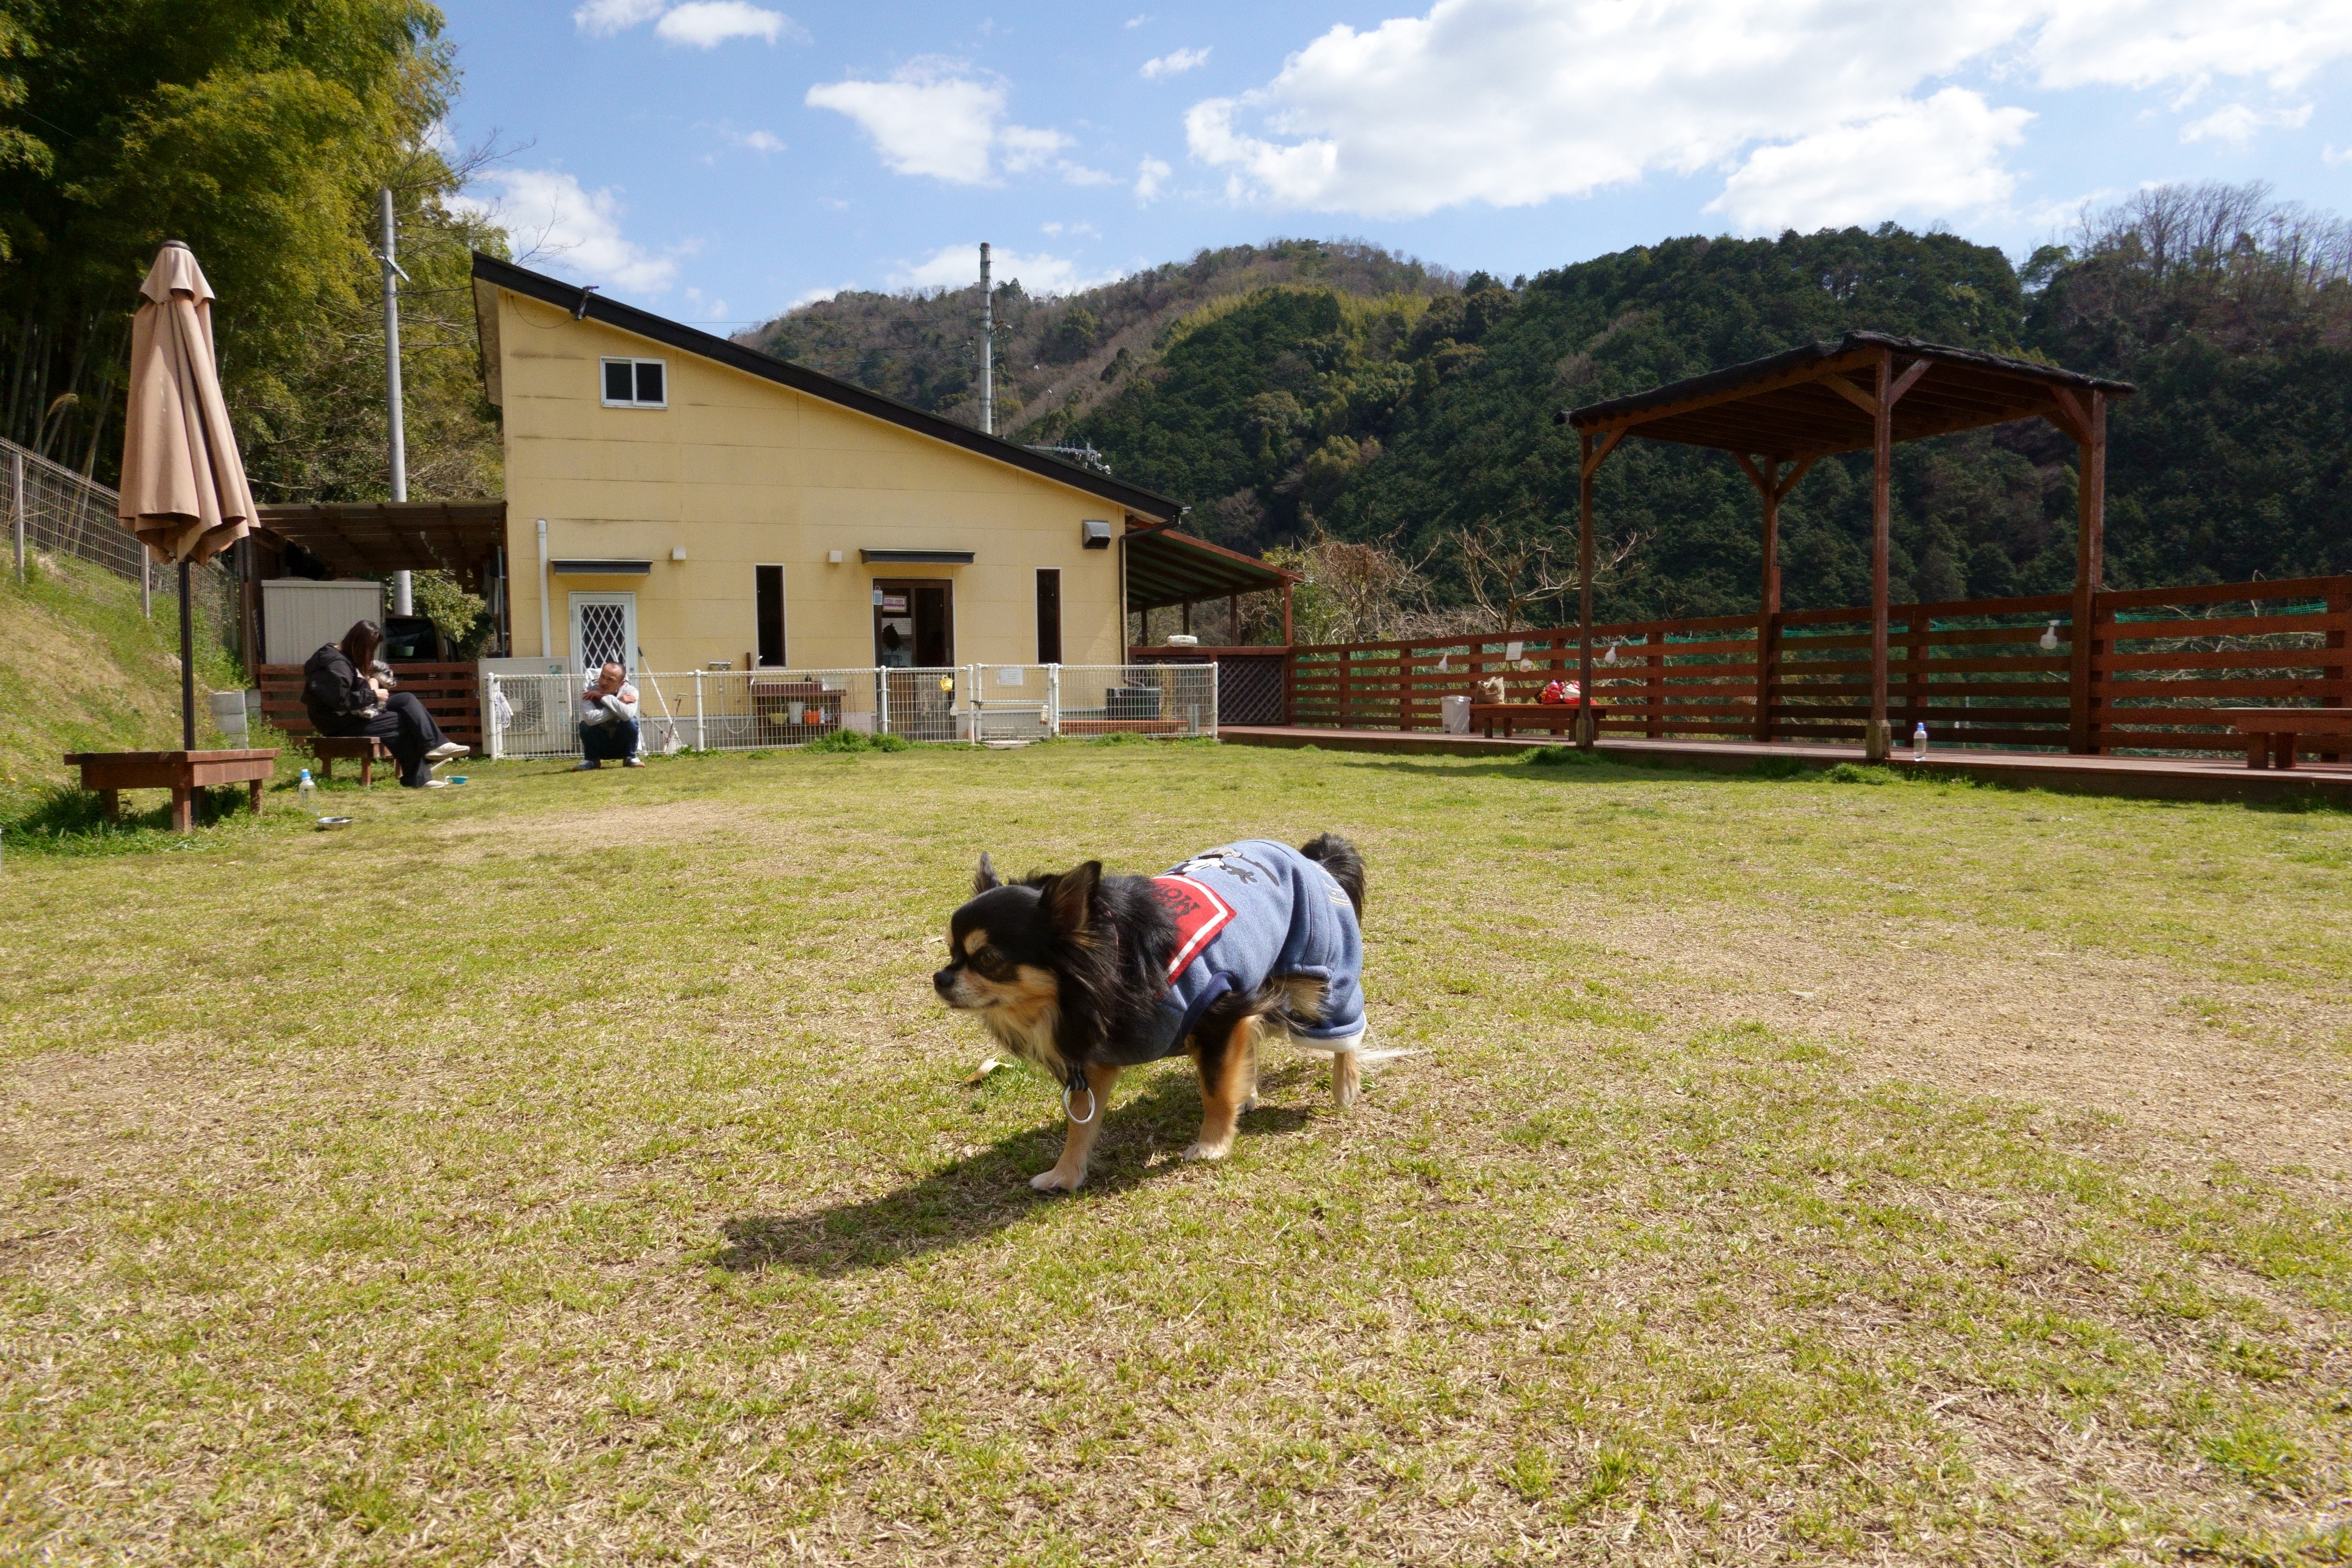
(528, 716)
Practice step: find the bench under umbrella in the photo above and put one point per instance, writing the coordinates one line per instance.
(183, 490)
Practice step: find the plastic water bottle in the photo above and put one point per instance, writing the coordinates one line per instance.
(307, 790)
(1919, 742)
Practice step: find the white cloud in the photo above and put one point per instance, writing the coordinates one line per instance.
(700, 24)
(1176, 63)
(762, 141)
(958, 267)
(1149, 176)
(2237, 124)
(1075, 230)
(2331, 157)
(1135, 22)
(551, 222)
(1512, 102)
(707, 24)
(937, 117)
(2160, 43)
(602, 18)
(1937, 156)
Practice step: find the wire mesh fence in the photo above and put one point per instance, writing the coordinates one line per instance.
(538, 716)
(48, 507)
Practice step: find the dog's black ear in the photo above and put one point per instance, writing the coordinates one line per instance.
(985, 878)
(1068, 899)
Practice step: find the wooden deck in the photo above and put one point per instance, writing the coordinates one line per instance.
(2145, 778)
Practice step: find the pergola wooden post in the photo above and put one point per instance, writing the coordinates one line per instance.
(1764, 473)
(1800, 406)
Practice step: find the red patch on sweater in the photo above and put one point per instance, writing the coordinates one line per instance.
(1199, 915)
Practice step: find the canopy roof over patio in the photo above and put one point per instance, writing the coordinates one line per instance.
(1164, 567)
(374, 539)
(1806, 403)
(1865, 390)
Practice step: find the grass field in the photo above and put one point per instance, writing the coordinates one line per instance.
(578, 1168)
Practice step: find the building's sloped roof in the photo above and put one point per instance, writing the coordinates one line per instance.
(595, 306)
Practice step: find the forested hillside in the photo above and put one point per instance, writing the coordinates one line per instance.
(1056, 358)
(1427, 423)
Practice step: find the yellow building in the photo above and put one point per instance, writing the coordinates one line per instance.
(675, 492)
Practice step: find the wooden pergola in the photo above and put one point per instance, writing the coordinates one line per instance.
(1778, 416)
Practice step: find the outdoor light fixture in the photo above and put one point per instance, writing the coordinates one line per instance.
(677, 552)
(833, 557)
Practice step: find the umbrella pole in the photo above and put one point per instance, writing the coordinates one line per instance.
(187, 667)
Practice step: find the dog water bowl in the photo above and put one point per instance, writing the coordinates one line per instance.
(458, 779)
(329, 824)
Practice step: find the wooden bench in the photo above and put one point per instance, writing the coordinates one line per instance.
(182, 772)
(2271, 732)
(1552, 716)
(365, 750)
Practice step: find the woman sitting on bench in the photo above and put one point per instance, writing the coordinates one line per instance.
(344, 696)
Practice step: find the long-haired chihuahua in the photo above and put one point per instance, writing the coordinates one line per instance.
(1084, 974)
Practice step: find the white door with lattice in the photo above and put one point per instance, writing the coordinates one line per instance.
(603, 627)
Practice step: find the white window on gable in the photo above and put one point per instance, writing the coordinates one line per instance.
(637, 384)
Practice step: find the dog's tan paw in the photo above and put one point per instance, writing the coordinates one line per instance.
(1057, 1180)
(1208, 1151)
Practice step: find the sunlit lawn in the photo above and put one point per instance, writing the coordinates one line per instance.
(569, 1168)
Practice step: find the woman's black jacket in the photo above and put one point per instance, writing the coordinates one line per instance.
(333, 694)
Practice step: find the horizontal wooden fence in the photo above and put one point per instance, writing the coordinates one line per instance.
(1992, 672)
(452, 693)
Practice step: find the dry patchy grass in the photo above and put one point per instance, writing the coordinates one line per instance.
(574, 1169)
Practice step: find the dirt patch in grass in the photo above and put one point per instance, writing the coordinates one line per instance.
(2215, 1068)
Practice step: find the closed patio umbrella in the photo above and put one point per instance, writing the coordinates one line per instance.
(183, 490)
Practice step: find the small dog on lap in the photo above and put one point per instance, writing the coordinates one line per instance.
(1084, 974)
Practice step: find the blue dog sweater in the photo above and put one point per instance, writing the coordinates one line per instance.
(1244, 913)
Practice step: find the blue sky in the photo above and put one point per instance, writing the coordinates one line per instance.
(718, 161)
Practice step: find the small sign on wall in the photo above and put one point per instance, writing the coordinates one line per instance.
(892, 604)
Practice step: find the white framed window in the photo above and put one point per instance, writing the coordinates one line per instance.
(637, 384)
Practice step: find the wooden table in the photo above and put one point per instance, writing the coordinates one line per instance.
(182, 772)
(2271, 732)
(1552, 716)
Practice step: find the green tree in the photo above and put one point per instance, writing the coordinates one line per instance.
(258, 131)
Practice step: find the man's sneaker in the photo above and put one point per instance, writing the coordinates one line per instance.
(633, 762)
(434, 784)
(446, 750)
(586, 767)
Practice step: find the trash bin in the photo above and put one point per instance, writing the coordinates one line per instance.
(1453, 715)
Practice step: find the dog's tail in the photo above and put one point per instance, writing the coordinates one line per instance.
(1338, 856)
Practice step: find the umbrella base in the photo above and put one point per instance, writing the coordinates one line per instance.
(182, 772)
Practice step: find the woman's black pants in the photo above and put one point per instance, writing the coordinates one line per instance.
(405, 727)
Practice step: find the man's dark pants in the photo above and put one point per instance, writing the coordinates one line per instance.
(613, 741)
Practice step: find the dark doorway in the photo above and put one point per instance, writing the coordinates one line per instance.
(1049, 615)
(914, 623)
(772, 615)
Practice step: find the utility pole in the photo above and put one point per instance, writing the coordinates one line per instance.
(403, 600)
(987, 348)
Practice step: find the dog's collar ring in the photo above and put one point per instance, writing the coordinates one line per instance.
(1078, 1081)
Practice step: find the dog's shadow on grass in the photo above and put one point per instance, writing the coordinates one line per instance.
(989, 1191)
